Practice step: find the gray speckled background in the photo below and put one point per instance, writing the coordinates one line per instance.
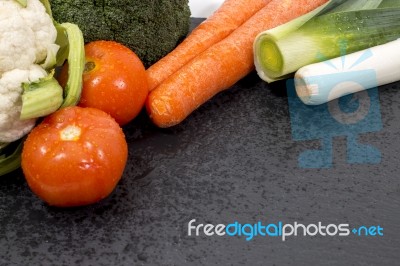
(233, 159)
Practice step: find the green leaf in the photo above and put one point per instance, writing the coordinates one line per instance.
(62, 42)
(41, 98)
(76, 64)
(23, 3)
(46, 4)
(9, 163)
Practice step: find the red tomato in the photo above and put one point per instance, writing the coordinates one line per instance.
(114, 80)
(75, 156)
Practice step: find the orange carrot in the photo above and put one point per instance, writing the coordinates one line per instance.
(228, 17)
(220, 66)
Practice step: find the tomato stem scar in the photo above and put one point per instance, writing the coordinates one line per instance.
(89, 66)
(70, 133)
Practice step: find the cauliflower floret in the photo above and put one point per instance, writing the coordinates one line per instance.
(42, 26)
(26, 34)
(11, 127)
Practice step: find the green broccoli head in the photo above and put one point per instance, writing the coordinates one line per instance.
(151, 28)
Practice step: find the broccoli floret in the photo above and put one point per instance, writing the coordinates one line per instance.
(150, 28)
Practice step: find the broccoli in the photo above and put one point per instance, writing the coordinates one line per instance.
(150, 28)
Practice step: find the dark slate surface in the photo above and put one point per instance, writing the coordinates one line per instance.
(234, 159)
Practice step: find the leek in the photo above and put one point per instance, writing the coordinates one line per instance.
(389, 3)
(345, 28)
(318, 83)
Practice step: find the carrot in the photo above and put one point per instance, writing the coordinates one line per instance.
(220, 66)
(229, 16)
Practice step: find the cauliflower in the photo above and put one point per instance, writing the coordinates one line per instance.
(12, 128)
(32, 44)
(27, 36)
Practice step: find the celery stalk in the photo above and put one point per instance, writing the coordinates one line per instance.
(278, 55)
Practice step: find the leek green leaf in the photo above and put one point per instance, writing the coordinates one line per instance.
(330, 31)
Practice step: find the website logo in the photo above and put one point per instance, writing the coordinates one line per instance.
(348, 116)
(281, 230)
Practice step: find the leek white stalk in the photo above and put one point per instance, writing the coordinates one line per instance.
(327, 33)
(325, 81)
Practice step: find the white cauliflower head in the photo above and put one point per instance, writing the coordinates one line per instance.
(11, 127)
(26, 34)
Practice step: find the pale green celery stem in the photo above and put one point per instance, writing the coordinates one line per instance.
(41, 98)
(76, 64)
